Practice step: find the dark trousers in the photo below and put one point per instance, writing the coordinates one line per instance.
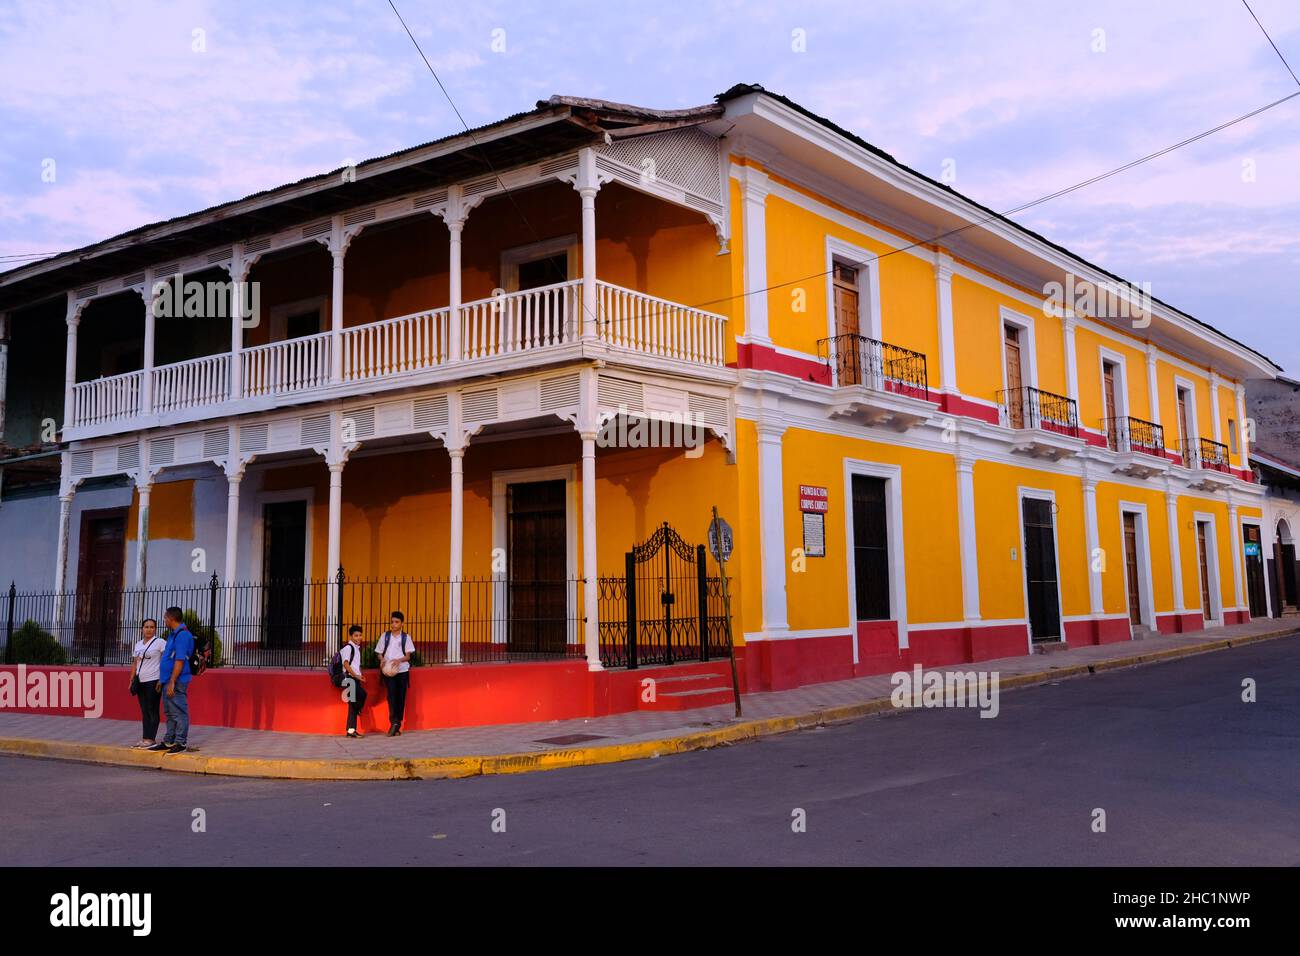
(397, 687)
(356, 701)
(150, 698)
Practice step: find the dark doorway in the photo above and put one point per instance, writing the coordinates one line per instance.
(284, 557)
(1253, 548)
(1285, 550)
(1040, 570)
(537, 556)
(870, 549)
(101, 561)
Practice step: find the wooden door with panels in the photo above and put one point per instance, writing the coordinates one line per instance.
(1111, 406)
(849, 352)
(1131, 568)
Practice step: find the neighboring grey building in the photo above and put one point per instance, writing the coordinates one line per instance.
(1274, 406)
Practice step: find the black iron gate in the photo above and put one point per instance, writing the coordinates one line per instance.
(671, 610)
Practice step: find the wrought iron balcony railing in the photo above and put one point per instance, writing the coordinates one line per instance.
(858, 360)
(1126, 433)
(1204, 453)
(1029, 407)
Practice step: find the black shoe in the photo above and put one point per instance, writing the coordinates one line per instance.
(354, 735)
(159, 747)
(177, 749)
(392, 730)
(397, 732)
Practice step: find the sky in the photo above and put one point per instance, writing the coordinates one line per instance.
(118, 113)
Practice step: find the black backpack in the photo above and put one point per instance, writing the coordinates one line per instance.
(201, 659)
(336, 668)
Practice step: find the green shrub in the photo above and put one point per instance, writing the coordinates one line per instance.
(202, 631)
(31, 645)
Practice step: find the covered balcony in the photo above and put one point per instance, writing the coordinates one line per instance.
(422, 294)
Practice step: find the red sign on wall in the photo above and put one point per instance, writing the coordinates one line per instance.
(814, 498)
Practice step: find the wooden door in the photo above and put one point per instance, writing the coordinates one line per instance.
(1015, 378)
(1131, 568)
(100, 569)
(1184, 429)
(849, 359)
(1287, 572)
(537, 558)
(1044, 609)
(870, 549)
(1108, 397)
(1202, 553)
(284, 559)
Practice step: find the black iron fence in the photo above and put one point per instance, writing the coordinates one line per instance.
(1204, 453)
(1126, 433)
(858, 360)
(298, 623)
(1028, 407)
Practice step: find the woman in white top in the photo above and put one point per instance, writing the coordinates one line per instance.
(147, 655)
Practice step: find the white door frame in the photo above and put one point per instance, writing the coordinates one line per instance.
(513, 476)
(1040, 494)
(894, 528)
(1146, 595)
(1214, 589)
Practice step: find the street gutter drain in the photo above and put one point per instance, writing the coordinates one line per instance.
(568, 739)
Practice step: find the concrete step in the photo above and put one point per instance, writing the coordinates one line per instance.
(1049, 647)
(689, 699)
(1141, 632)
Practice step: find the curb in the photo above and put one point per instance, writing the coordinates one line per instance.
(437, 768)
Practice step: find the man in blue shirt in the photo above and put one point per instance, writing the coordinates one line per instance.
(174, 674)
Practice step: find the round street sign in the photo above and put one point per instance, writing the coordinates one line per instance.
(720, 539)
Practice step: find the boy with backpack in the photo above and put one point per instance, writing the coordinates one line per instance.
(394, 650)
(174, 670)
(345, 672)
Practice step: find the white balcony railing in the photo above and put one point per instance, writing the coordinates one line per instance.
(192, 384)
(644, 323)
(107, 399)
(517, 322)
(294, 365)
(521, 321)
(404, 344)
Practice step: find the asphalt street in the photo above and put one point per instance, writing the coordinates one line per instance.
(1184, 770)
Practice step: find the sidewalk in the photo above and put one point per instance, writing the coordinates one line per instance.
(519, 748)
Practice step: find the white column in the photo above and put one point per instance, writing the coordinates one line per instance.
(947, 339)
(238, 276)
(588, 184)
(234, 477)
(1214, 406)
(1095, 604)
(1153, 383)
(144, 494)
(70, 361)
(1243, 443)
(332, 550)
(970, 572)
(754, 188)
(771, 523)
(338, 249)
(590, 590)
(1234, 541)
(455, 228)
(1070, 323)
(456, 563)
(66, 490)
(1175, 553)
(150, 329)
(454, 213)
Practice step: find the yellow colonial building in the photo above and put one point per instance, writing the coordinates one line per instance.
(501, 380)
